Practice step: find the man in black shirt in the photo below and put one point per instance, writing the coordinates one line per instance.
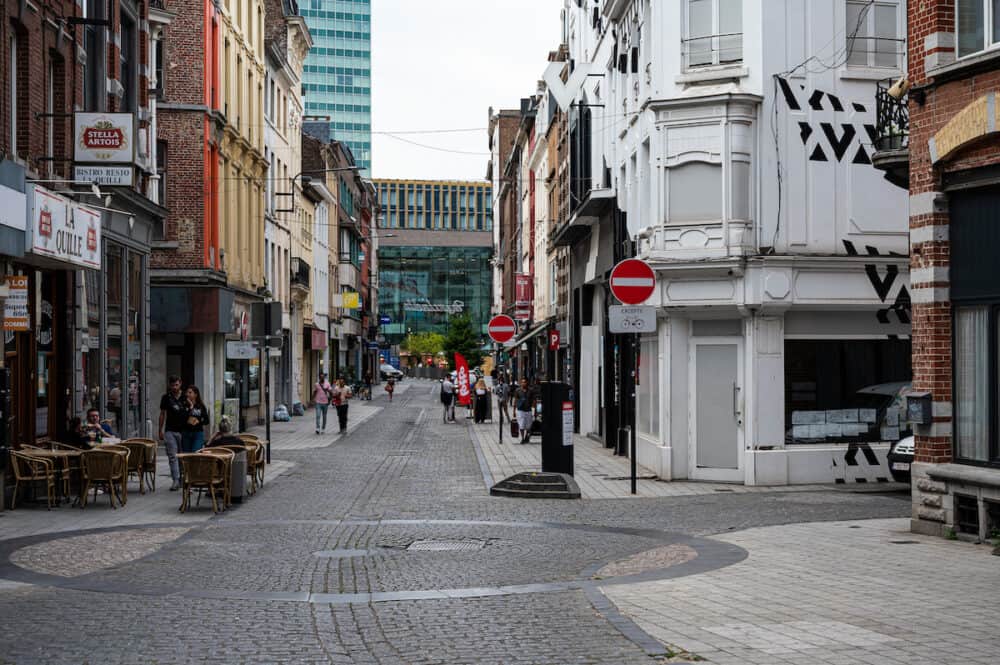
(173, 414)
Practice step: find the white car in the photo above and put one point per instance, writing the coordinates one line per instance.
(389, 372)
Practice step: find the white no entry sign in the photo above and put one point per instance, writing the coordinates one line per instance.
(632, 281)
(501, 328)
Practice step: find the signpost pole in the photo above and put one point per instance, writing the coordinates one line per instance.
(499, 410)
(267, 399)
(635, 387)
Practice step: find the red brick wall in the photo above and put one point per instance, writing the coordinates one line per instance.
(932, 321)
(38, 43)
(189, 190)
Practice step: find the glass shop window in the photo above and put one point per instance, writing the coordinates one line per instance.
(839, 391)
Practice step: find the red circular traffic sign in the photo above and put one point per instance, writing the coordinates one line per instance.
(632, 281)
(502, 328)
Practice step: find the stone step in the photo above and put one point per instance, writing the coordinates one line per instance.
(538, 486)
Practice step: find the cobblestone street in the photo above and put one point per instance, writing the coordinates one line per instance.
(383, 546)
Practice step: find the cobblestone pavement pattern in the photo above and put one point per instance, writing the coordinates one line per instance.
(351, 515)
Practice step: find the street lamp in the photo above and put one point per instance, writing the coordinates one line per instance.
(306, 179)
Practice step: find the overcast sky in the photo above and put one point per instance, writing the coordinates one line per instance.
(441, 65)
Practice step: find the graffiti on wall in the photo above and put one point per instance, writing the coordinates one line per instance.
(840, 140)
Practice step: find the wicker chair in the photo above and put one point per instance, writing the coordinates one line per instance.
(255, 461)
(227, 457)
(105, 466)
(137, 452)
(149, 466)
(28, 469)
(203, 472)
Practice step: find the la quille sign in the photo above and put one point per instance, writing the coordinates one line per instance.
(64, 230)
(104, 148)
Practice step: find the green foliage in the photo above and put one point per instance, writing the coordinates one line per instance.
(463, 338)
(423, 344)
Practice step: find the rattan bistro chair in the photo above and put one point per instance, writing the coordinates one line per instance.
(137, 452)
(201, 472)
(105, 466)
(227, 458)
(255, 460)
(149, 466)
(28, 470)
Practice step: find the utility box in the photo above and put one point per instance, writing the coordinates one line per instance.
(919, 408)
(557, 428)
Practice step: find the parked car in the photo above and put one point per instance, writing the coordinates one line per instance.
(900, 458)
(389, 372)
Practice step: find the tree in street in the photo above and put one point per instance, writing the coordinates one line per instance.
(463, 338)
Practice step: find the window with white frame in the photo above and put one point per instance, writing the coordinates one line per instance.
(648, 413)
(977, 24)
(873, 34)
(714, 32)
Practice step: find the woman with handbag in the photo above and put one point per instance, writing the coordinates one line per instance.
(321, 398)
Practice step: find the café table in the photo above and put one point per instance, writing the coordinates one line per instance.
(63, 458)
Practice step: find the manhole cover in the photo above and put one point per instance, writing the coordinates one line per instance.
(446, 545)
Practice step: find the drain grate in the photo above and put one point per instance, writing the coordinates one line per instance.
(446, 545)
(904, 542)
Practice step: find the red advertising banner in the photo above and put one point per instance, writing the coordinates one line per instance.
(523, 296)
(464, 392)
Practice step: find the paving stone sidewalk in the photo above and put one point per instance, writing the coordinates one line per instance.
(598, 471)
(831, 593)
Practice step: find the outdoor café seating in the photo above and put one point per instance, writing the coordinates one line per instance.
(138, 453)
(29, 470)
(202, 472)
(105, 466)
(227, 457)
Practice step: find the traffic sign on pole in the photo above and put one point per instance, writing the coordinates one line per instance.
(632, 281)
(502, 328)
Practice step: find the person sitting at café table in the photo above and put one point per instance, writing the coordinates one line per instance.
(94, 423)
(225, 437)
(77, 435)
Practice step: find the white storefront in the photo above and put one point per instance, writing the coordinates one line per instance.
(781, 253)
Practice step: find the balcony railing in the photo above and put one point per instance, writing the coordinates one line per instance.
(300, 272)
(158, 4)
(892, 119)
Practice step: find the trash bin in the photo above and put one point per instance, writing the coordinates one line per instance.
(238, 481)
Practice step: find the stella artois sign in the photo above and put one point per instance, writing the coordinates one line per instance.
(104, 138)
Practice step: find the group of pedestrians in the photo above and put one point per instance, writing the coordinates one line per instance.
(325, 394)
(183, 421)
(524, 397)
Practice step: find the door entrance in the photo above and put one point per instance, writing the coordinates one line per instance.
(717, 407)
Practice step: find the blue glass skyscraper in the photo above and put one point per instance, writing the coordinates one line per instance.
(338, 71)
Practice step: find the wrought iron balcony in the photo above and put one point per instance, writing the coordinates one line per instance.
(158, 4)
(892, 134)
(300, 273)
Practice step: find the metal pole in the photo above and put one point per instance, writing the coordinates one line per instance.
(267, 400)
(635, 384)
(499, 409)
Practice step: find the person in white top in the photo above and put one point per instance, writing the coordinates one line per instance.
(448, 399)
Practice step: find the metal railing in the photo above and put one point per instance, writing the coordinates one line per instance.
(892, 119)
(708, 50)
(300, 272)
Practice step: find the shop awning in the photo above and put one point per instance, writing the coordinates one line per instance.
(526, 336)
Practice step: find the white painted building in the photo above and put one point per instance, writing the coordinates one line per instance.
(735, 136)
(321, 268)
(285, 55)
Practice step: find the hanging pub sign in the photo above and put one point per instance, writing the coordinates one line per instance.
(523, 296)
(64, 230)
(104, 148)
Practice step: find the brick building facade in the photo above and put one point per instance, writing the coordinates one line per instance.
(952, 164)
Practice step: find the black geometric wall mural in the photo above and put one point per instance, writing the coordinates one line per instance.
(839, 139)
(901, 304)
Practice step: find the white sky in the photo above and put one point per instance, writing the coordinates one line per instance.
(440, 64)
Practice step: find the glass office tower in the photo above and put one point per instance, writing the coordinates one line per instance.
(338, 71)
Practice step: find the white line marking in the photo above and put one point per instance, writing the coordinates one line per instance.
(632, 281)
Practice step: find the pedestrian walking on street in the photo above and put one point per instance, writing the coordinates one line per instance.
(502, 391)
(448, 399)
(173, 413)
(321, 398)
(523, 407)
(368, 387)
(195, 422)
(390, 387)
(481, 394)
(341, 393)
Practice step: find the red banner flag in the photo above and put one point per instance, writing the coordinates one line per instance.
(464, 392)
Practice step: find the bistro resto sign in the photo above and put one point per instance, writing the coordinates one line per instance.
(64, 230)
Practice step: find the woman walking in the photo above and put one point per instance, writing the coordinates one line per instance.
(321, 398)
(482, 397)
(390, 387)
(193, 436)
(341, 393)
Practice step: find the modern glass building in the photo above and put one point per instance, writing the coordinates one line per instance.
(338, 71)
(421, 287)
(445, 205)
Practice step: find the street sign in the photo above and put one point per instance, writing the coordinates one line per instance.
(384, 319)
(632, 281)
(553, 340)
(502, 328)
(241, 350)
(631, 319)
(567, 423)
